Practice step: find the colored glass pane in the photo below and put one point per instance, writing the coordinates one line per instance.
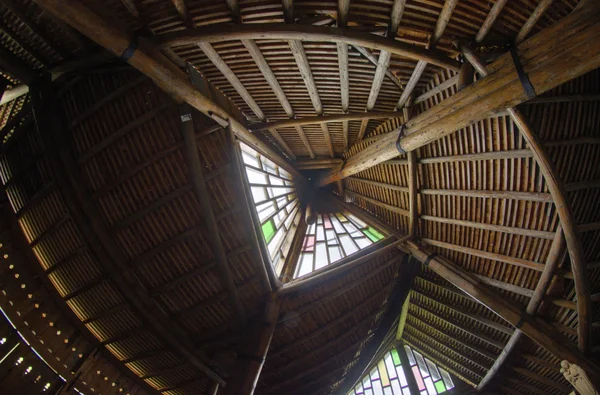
(385, 380)
(418, 377)
(440, 387)
(395, 357)
(373, 234)
(268, 229)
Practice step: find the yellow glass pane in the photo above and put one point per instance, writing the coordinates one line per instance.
(383, 374)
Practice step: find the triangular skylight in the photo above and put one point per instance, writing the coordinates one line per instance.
(389, 376)
(331, 237)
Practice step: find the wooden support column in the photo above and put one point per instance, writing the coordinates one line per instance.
(563, 208)
(163, 72)
(253, 353)
(564, 51)
(535, 328)
(413, 207)
(203, 196)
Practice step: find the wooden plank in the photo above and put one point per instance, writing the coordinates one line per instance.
(564, 210)
(197, 179)
(534, 327)
(501, 89)
(542, 379)
(325, 119)
(284, 31)
(490, 20)
(377, 203)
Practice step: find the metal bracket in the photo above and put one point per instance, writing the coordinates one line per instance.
(400, 135)
(523, 77)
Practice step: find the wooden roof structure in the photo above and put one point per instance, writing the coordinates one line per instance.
(466, 131)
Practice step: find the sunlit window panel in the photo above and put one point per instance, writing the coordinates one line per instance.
(431, 379)
(274, 197)
(331, 238)
(388, 377)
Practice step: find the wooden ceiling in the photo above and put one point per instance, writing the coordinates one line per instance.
(142, 237)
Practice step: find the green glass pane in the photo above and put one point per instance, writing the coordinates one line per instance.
(373, 234)
(395, 357)
(268, 231)
(440, 387)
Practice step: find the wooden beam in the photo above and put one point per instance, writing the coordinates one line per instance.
(163, 72)
(93, 230)
(413, 206)
(490, 20)
(542, 55)
(486, 255)
(377, 203)
(325, 119)
(437, 89)
(384, 57)
(371, 58)
(534, 18)
(542, 379)
(534, 327)
(254, 351)
(564, 99)
(563, 208)
(328, 141)
(317, 163)
(306, 73)
(342, 51)
(183, 12)
(203, 197)
(284, 31)
(340, 268)
(528, 196)
(440, 26)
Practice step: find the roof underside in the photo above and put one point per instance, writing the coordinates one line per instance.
(109, 204)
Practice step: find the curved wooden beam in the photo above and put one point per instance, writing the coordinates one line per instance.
(324, 119)
(283, 31)
(559, 195)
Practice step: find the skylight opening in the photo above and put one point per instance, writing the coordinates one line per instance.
(276, 203)
(331, 238)
(389, 376)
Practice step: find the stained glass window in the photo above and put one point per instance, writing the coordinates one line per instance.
(388, 377)
(331, 238)
(274, 197)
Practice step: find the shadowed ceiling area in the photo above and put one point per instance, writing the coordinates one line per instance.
(292, 197)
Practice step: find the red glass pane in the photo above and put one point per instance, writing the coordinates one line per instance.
(327, 222)
(309, 244)
(418, 377)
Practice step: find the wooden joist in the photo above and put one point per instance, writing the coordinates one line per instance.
(542, 55)
(537, 14)
(490, 20)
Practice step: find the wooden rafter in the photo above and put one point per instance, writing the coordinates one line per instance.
(413, 207)
(565, 213)
(382, 62)
(500, 90)
(440, 26)
(536, 15)
(162, 71)
(283, 31)
(490, 20)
